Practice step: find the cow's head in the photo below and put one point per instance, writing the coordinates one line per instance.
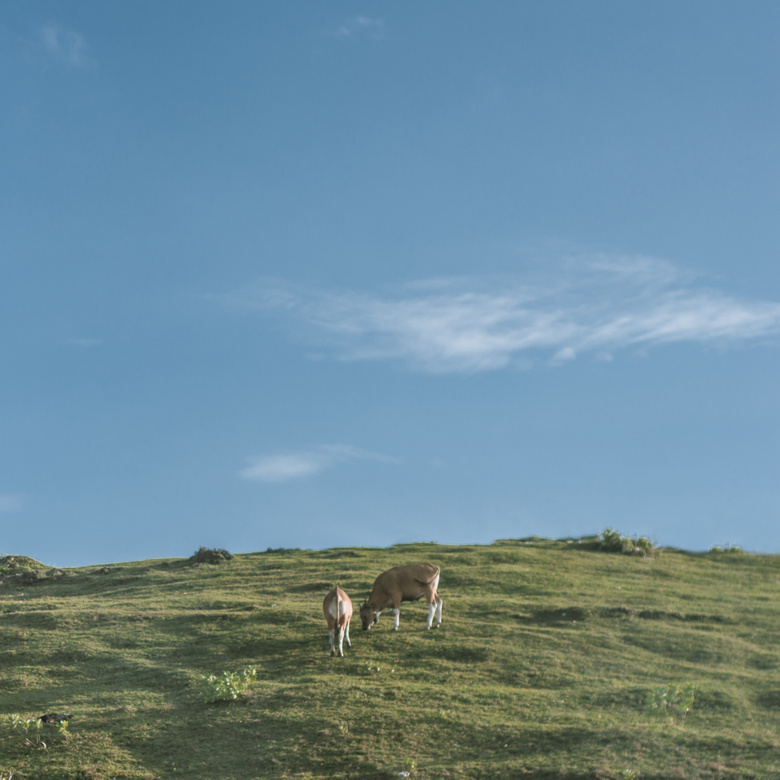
(368, 615)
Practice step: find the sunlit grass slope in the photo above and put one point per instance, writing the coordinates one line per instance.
(547, 665)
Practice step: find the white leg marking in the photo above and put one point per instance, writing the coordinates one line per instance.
(331, 637)
(431, 610)
(438, 612)
(397, 613)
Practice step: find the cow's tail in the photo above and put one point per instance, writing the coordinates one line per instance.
(428, 582)
(337, 627)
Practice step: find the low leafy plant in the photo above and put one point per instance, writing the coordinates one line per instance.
(228, 686)
(30, 728)
(673, 699)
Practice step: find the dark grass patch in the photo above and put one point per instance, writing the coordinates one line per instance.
(709, 700)
(31, 620)
(769, 699)
(284, 551)
(335, 555)
(691, 617)
(633, 697)
(459, 581)
(764, 662)
(321, 586)
(561, 615)
(557, 615)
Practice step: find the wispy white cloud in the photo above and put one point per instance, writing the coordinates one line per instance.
(66, 46)
(283, 467)
(563, 356)
(591, 307)
(360, 26)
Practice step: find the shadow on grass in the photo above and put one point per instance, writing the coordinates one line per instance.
(573, 614)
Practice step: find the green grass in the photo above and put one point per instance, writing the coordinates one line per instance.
(547, 665)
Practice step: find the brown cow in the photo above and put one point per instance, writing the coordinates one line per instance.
(403, 583)
(337, 608)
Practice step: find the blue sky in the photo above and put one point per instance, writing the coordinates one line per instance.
(331, 274)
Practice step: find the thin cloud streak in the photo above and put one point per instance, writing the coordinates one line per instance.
(10, 503)
(284, 467)
(66, 46)
(361, 25)
(598, 307)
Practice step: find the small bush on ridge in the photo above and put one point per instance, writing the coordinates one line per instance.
(207, 555)
(727, 548)
(612, 541)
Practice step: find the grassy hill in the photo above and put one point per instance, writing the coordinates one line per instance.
(555, 660)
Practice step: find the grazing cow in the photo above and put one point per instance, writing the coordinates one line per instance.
(403, 583)
(337, 609)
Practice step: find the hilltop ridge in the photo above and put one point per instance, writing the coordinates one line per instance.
(554, 659)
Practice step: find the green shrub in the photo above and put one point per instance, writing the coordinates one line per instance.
(18, 564)
(727, 548)
(228, 685)
(207, 555)
(612, 541)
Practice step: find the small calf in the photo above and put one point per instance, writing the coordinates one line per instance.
(337, 609)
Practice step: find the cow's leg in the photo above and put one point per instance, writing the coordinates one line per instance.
(340, 640)
(397, 613)
(331, 637)
(431, 610)
(346, 632)
(438, 611)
